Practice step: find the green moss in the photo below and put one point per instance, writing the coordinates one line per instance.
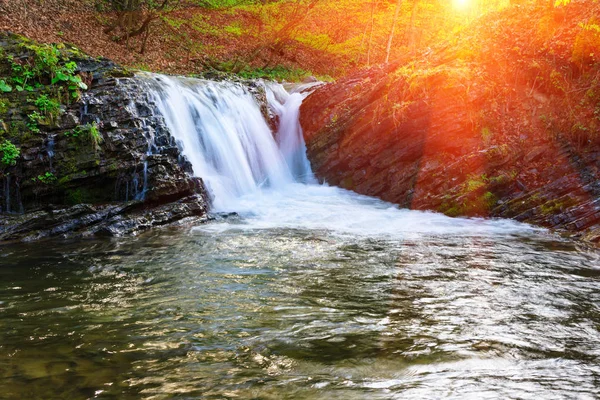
(64, 180)
(20, 130)
(454, 211)
(451, 207)
(499, 180)
(67, 166)
(557, 205)
(486, 135)
(475, 183)
(81, 195)
(347, 183)
(3, 106)
(124, 72)
(489, 200)
(76, 196)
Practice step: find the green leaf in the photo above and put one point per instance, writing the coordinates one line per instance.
(70, 67)
(60, 77)
(5, 87)
(19, 88)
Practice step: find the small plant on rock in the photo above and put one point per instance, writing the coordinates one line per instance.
(10, 153)
(88, 132)
(32, 124)
(49, 108)
(46, 178)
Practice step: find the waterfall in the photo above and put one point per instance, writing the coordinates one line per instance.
(50, 149)
(289, 135)
(224, 135)
(149, 134)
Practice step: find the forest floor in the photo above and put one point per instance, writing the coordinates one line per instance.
(190, 40)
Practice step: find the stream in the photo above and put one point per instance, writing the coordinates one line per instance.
(296, 290)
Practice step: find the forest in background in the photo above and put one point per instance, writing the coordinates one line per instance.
(510, 53)
(282, 39)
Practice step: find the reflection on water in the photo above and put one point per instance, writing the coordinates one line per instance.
(227, 311)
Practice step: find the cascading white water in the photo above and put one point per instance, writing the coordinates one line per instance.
(223, 135)
(289, 135)
(266, 178)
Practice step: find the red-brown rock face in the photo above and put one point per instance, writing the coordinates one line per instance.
(440, 141)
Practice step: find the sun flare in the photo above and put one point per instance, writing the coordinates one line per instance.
(462, 5)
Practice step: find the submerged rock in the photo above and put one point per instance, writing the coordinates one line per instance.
(105, 163)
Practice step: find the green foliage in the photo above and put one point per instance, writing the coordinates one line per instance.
(34, 119)
(89, 132)
(277, 73)
(47, 105)
(46, 178)
(9, 152)
(49, 108)
(66, 75)
(5, 87)
(45, 63)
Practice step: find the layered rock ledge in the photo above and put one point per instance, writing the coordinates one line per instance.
(441, 142)
(104, 162)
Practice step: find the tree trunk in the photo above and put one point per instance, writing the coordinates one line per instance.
(412, 35)
(373, 6)
(389, 43)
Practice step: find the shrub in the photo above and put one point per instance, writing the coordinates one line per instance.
(9, 152)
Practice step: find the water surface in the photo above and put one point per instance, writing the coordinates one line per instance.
(310, 292)
(296, 290)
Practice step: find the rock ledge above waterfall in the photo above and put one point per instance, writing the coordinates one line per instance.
(128, 178)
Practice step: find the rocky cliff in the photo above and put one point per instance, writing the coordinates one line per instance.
(83, 149)
(466, 134)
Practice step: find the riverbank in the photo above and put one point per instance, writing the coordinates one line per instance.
(502, 124)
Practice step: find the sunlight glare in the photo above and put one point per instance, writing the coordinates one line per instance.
(462, 5)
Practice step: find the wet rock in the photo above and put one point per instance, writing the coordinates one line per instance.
(82, 184)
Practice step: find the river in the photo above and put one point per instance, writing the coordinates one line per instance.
(296, 290)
